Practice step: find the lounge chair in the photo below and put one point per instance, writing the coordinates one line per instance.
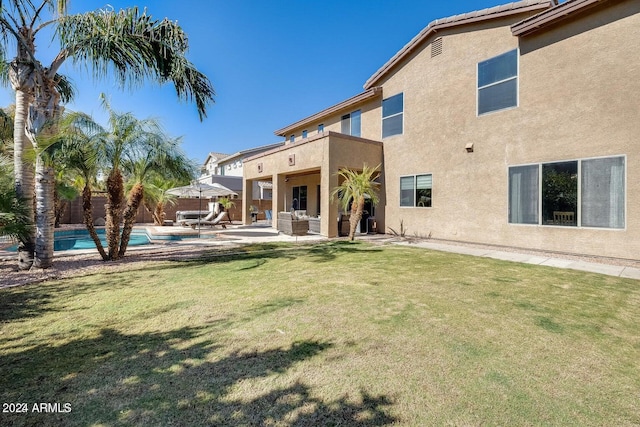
(207, 220)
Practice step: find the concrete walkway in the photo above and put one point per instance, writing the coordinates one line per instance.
(555, 261)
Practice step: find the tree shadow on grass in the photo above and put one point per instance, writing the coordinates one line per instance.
(327, 252)
(173, 378)
(30, 301)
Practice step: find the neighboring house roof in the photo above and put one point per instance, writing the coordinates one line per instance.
(454, 21)
(250, 152)
(215, 156)
(563, 11)
(369, 93)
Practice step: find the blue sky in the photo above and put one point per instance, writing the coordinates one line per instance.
(271, 62)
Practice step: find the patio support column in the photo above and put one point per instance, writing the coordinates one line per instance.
(247, 199)
(328, 181)
(278, 195)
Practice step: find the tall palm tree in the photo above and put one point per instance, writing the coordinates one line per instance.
(128, 148)
(80, 138)
(126, 45)
(134, 148)
(157, 152)
(354, 188)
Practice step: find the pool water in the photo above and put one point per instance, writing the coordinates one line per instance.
(69, 240)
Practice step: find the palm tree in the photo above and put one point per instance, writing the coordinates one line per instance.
(126, 45)
(156, 196)
(13, 210)
(67, 186)
(130, 148)
(354, 189)
(134, 148)
(80, 138)
(13, 216)
(156, 152)
(227, 204)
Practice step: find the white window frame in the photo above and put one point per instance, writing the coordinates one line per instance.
(401, 113)
(516, 78)
(415, 179)
(579, 194)
(349, 119)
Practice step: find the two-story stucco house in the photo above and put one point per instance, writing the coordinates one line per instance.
(517, 125)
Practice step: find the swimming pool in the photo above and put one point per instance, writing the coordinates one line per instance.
(69, 240)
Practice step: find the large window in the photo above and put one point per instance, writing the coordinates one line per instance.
(523, 194)
(350, 123)
(603, 192)
(392, 115)
(587, 193)
(498, 83)
(415, 190)
(560, 193)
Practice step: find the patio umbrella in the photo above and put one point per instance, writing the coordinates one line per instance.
(200, 190)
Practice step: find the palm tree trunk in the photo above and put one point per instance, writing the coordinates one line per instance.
(135, 198)
(45, 217)
(115, 195)
(24, 176)
(357, 207)
(60, 206)
(87, 214)
(159, 214)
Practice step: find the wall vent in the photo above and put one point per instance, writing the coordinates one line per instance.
(436, 47)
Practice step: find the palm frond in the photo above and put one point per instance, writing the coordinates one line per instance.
(65, 88)
(354, 184)
(134, 48)
(14, 220)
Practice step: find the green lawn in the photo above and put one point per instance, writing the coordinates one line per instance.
(333, 334)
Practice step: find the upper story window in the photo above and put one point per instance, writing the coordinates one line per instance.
(320, 128)
(350, 123)
(304, 134)
(498, 83)
(292, 138)
(392, 112)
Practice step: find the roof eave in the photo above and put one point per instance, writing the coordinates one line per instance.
(363, 96)
(455, 21)
(251, 150)
(552, 16)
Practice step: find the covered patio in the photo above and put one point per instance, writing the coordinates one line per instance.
(304, 173)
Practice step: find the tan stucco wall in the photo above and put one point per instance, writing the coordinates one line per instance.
(578, 98)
